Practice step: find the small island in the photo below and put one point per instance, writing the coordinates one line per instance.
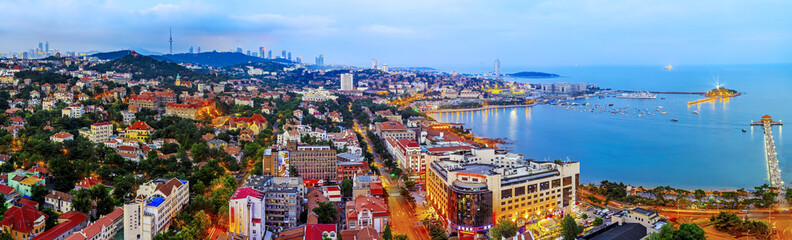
(534, 75)
(721, 92)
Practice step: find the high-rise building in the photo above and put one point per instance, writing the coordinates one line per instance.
(199, 49)
(320, 60)
(299, 59)
(265, 202)
(374, 64)
(46, 48)
(239, 50)
(347, 82)
(497, 69)
(283, 54)
(191, 50)
(248, 53)
(262, 52)
(472, 197)
(313, 162)
(269, 54)
(289, 56)
(41, 47)
(385, 67)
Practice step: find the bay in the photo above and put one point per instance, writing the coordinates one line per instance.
(705, 150)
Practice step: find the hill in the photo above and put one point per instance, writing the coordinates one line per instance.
(111, 55)
(216, 59)
(146, 67)
(534, 75)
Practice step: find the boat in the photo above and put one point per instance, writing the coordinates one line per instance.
(610, 104)
(664, 112)
(638, 95)
(743, 130)
(695, 112)
(662, 98)
(659, 107)
(674, 120)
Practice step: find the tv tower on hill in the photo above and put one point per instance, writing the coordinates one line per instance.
(171, 40)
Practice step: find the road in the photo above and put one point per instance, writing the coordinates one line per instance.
(403, 217)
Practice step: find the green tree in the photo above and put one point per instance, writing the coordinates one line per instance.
(504, 229)
(38, 192)
(258, 168)
(82, 201)
(386, 234)
(436, 232)
(584, 216)
(52, 218)
(570, 229)
(666, 233)
(409, 183)
(597, 222)
(690, 232)
(346, 188)
(6, 236)
(699, 194)
(326, 212)
(400, 237)
(293, 172)
(196, 229)
(3, 207)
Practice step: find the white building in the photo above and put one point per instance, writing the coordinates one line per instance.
(246, 214)
(156, 204)
(73, 111)
(347, 82)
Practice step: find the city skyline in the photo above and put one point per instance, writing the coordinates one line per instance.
(435, 33)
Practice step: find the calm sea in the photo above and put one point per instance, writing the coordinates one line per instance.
(705, 150)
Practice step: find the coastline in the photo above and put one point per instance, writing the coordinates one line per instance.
(479, 108)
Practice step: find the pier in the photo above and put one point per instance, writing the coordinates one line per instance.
(773, 172)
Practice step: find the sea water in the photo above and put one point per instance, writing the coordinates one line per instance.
(706, 150)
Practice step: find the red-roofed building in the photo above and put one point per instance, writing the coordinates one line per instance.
(104, 228)
(9, 193)
(61, 136)
(392, 129)
(366, 211)
(138, 131)
(332, 192)
(320, 231)
(23, 222)
(87, 183)
(246, 210)
(407, 154)
(243, 101)
(69, 223)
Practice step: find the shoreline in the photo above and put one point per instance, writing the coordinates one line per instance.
(587, 181)
(479, 108)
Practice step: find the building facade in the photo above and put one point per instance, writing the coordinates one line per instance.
(313, 162)
(156, 204)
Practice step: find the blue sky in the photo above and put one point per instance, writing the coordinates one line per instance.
(438, 33)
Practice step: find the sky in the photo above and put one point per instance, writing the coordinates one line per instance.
(434, 33)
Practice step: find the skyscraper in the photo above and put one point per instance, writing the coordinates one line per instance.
(191, 50)
(170, 40)
(283, 54)
(374, 63)
(299, 59)
(46, 48)
(347, 81)
(289, 56)
(239, 50)
(248, 52)
(199, 49)
(269, 54)
(262, 52)
(320, 60)
(41, 47)
(497, 69)
(384, 67)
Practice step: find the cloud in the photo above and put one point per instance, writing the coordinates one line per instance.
(387, 30)
(310, 24)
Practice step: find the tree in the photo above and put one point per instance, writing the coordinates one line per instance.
(436, 232)
(293, 172)
(6, 236)
(699, 194)
(3, 207)
(258, 168)
(409, 183)
(690, 232)
(82, 201)
(570, 229)
(386, 234)
(666, 233)
(346, 188)
(584, 216)
(326, 212)
(52, 218)
(597, 222)
(504, 229)
(196, 229)
(38, 192)
(400, 237)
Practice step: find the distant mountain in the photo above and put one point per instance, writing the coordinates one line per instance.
(111, 55)
(217, 59)
(144, 51)
(146, 67)
(534, 75)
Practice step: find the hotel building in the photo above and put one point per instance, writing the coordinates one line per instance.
(472, 197)
(156, 204)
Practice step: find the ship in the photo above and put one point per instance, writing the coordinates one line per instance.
(638, 95)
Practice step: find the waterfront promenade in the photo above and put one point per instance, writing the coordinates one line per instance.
(478, 108)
